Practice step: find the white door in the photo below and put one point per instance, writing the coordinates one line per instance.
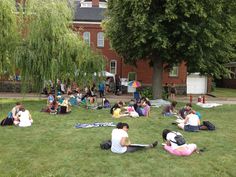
(196, 84)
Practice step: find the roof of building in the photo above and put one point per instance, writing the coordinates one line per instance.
(89, 14)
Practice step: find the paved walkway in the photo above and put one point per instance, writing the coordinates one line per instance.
(125, 97)
(209, 99)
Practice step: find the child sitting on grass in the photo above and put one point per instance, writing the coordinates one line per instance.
(116, 110)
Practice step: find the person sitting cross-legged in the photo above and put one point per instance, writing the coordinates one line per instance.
(53, 107)
(116, 110)
(24, 118)
(191, 123)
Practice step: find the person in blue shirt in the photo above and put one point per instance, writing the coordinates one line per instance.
(101, 88)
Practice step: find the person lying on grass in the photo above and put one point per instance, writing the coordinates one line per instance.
(175, 144)
(121, 143)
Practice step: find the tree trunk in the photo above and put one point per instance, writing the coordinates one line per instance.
(157, 77)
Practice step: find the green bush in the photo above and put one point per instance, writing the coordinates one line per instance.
(146, 92)
(213, 86)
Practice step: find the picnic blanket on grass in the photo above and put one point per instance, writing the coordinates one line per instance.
(159, 102)
(96, 124)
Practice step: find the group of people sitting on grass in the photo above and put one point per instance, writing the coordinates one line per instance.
(57, 105)
(174, 142)
(18, 116)
(187, 118)
(133, 109)
(87, 97)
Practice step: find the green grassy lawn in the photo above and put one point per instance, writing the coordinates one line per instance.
(53, 147)
(224, 92)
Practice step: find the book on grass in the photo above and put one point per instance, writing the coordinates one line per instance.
(139, 145)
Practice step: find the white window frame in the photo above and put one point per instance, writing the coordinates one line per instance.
(86, 4)
(233, 72)
(102, 4)
(100, 39)
(132, 73)
(86, 37)
(174, 72)
(115, 66)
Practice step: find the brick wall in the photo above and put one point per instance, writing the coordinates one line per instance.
(143, 70)
(95, 3)
(10, 86)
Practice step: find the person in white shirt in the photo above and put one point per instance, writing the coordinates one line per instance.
(121, 143)
(191, 123)
(24, 118)
(173, 147)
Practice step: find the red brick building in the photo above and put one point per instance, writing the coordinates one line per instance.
(87, 21)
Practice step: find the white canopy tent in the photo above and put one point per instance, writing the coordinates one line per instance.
(107, 74)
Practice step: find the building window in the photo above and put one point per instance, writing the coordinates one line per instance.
(113, 66)
(232, 74)
(86, 37)
(100, 39)
(174, 72)
(132, 76)
(103, 4)
(85, 4)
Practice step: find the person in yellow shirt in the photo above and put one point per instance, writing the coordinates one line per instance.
(116, 110)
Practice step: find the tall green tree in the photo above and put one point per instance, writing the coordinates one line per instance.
(9, 36)
(198, 32)
(51, 49)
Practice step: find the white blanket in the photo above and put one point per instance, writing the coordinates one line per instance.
(159, 102)
(208, 105)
